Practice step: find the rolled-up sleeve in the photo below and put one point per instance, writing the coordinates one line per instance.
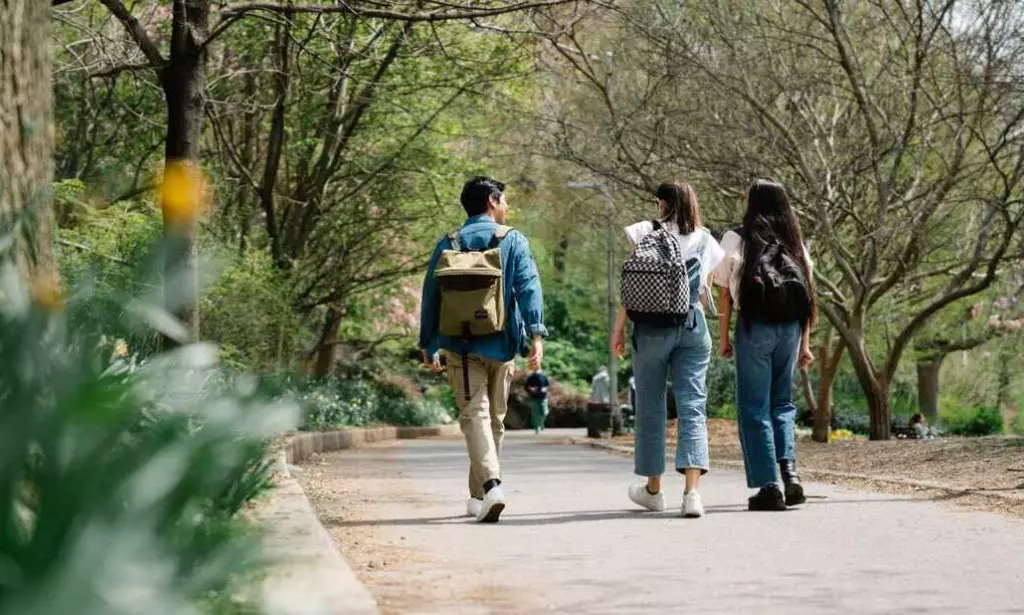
(526, 286)
(430, 305)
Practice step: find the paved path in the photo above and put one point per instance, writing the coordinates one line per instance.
(570, 541)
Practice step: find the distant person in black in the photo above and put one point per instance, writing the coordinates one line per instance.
(537, 385)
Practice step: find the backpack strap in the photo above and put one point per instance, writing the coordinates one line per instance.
(499, 234)
(454, 238)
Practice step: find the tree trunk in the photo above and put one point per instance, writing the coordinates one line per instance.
(876, 390)
(276, 140)
(1006, 367)
(183, 83)
(928, 387)
(878, 407)
(26, 131)
(326, 349)
(828, 358)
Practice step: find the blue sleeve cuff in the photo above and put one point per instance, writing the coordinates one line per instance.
(538, 329)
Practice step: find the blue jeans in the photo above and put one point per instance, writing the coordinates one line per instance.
(686, 350)
(765, 357)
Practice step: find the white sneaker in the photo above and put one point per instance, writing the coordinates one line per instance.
(693, 508)
(491, 506)
(641, 497)
(473, 507)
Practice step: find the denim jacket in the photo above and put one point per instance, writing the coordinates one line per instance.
(524, 301)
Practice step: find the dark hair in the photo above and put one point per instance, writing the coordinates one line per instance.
(770, 215)
(917, 418)
(477, 193)
(681, 205)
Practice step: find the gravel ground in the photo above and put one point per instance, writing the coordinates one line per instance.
(981, 473)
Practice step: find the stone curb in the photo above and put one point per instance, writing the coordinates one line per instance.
(299, 447)
(308, 575)
(826, 475)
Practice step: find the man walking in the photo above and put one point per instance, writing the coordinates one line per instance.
(482, 305)
(537, 384)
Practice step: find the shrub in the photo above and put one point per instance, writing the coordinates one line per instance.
(851, 420)
(567, 406)
(359, 402)
(963, 420)
(723, 411)
(119, 478)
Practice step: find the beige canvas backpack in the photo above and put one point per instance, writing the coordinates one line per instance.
(472, 293)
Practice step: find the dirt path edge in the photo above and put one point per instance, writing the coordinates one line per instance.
(308, 574)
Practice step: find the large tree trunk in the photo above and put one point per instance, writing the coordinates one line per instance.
(26, 131)
(183, 82)
(327, 346)
(928, 387)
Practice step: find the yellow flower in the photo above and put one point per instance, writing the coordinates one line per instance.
(183, 193)
(47, 292)
(120, 348)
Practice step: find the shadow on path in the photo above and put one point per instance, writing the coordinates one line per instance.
(557, 518)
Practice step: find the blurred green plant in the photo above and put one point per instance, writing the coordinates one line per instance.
(122, 478)
(969, 420)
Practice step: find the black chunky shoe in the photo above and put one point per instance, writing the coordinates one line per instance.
(768, 498)
(791, 483)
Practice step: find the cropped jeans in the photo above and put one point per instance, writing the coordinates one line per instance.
(684, 352)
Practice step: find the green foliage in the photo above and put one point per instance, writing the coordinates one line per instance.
(1018, 423)
(248, 310)
(727, 410)
(108, 256)
(966, 420)
(120, 479)
(362, 402)
(721, 385)
(856, 421)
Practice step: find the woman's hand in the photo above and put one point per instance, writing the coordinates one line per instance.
(805, 358)
(619, 342)
(725, 349)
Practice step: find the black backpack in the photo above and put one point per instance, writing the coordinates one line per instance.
(776, 291)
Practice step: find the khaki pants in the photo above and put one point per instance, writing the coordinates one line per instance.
(482, 415)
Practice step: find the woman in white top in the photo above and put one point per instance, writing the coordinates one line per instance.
(682, 349)
(767, 276)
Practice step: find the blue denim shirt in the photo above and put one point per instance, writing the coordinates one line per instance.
(524, 300)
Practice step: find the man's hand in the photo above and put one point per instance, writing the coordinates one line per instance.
(536, 358)
(433, 363)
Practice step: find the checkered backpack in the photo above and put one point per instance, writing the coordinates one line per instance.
(658, 287)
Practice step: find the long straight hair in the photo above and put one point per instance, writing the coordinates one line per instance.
(771, 217)
(681, 205)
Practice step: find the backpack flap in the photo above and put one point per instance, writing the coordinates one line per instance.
(472, 298)
(656, 284)
(777, 290)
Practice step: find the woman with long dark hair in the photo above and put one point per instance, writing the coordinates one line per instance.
(676, 344)
(767, 276)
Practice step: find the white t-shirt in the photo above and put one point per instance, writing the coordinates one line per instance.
(730, 271)
(698, 244)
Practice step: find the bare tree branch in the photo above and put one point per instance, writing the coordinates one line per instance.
(464, 13)
(136, 31)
